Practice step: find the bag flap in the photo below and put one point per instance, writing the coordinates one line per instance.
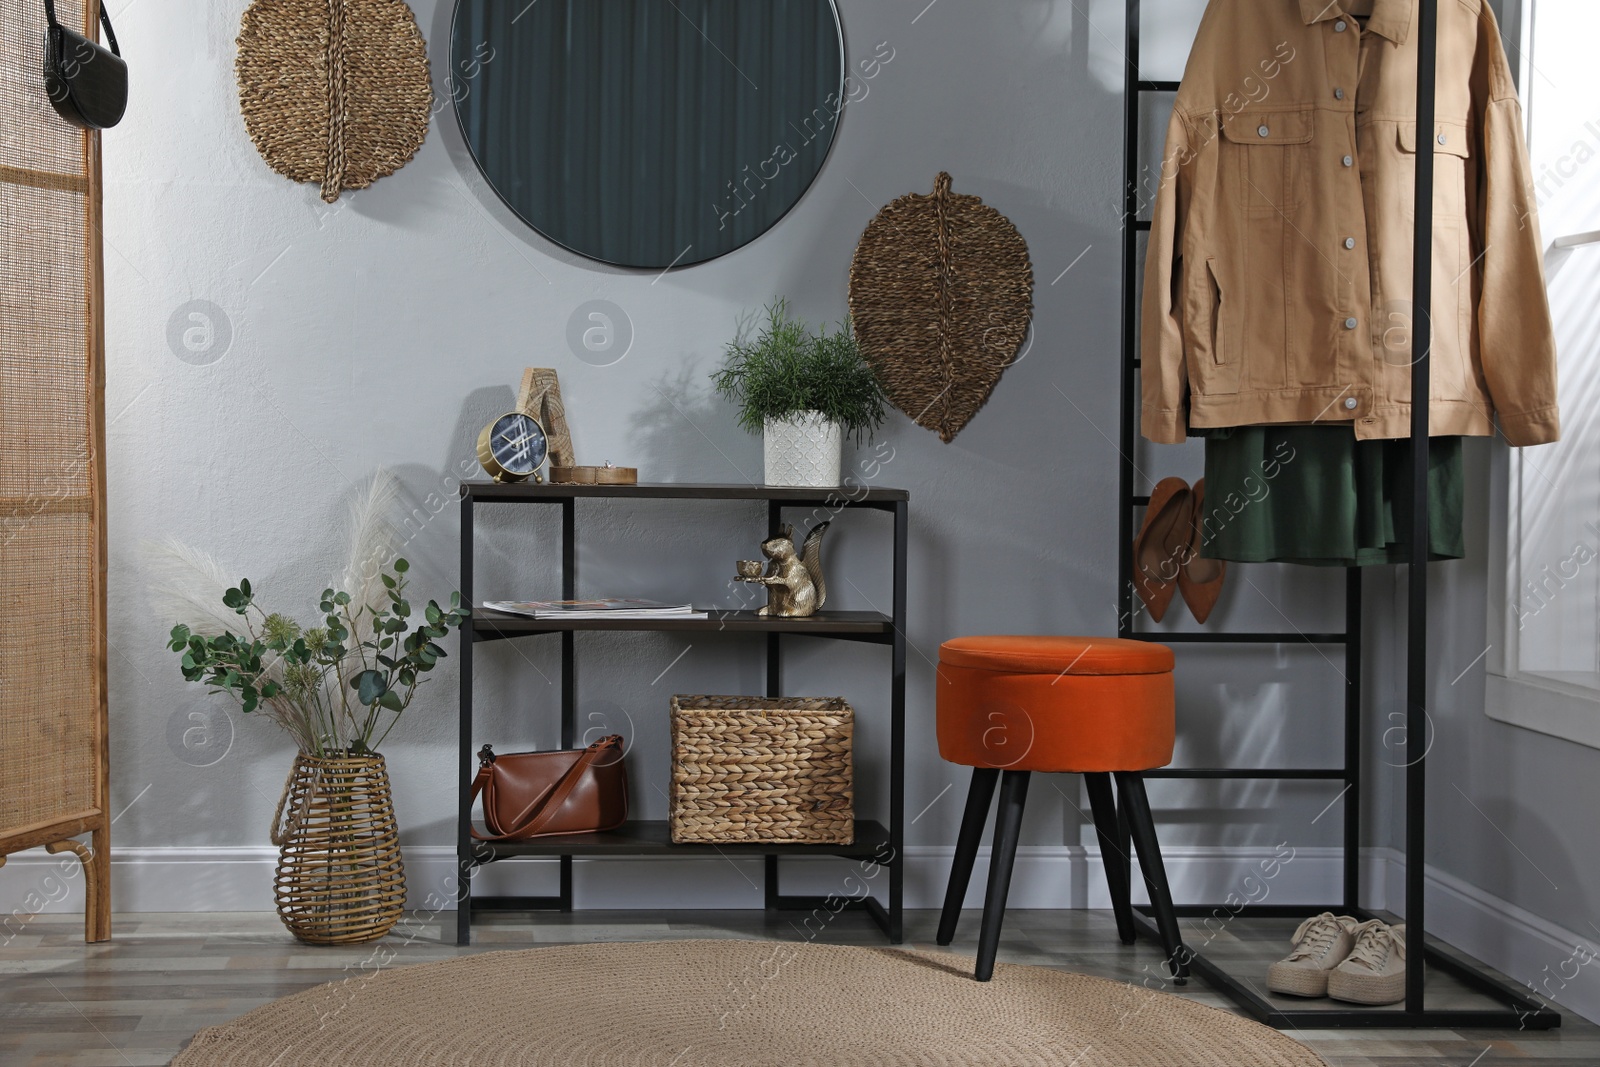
(1268, 127)
(1454, 142)
(88, 79)
(520, 781)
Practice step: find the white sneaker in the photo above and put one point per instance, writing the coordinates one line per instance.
(1375, 970)
(1320, 945)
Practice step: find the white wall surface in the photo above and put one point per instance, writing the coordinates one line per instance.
(386, 329)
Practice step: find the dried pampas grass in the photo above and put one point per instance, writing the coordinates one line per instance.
(186, 586)
(371, 543)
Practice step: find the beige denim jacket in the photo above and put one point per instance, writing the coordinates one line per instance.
(1278, 281)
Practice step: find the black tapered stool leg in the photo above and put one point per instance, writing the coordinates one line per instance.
(979, 795)
(1007, 828)
(1130, 789)
(1124, 854)
(1113, 850)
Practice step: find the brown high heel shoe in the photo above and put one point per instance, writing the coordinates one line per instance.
(1163, 544)
(1200, 580)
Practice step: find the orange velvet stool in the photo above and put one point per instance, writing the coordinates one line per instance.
(1102, 707)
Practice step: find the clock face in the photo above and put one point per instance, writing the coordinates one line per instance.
(518, 444)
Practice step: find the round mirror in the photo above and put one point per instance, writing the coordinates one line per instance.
(648, 133)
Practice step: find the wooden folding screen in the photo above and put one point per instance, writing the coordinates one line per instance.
(52, 469)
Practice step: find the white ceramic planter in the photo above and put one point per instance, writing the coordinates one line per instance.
(803, 450)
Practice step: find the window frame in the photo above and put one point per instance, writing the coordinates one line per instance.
(1532, 701)
(1519, 698)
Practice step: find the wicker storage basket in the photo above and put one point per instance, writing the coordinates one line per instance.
(340, 880)
(762, 769)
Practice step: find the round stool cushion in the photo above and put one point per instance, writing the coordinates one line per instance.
(1036, 654)
(1055, 703)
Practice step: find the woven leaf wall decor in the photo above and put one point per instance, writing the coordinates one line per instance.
(941, 294)
(334, 92)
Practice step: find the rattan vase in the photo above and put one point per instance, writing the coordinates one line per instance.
(340, 880)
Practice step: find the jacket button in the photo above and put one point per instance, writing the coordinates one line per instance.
(1443, 139)
(1350, 324)
(1338, 94)
(1263, 131)
(1349, 242)
(1351, 404)
(1349, 161)
(1340, 26)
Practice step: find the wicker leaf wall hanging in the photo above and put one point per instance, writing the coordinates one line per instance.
(941, 294)
(334, 92)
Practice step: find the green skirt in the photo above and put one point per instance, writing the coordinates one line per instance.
(1316, 495)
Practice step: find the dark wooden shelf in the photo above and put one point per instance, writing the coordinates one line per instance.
(847, 625)
(881, 842)
(642, 838)
(531, 493)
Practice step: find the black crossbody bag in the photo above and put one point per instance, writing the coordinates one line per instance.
(87, 85)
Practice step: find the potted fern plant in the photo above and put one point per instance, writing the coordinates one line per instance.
(804, 392)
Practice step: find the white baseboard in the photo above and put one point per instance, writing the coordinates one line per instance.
(1556, 963)
(240, 879)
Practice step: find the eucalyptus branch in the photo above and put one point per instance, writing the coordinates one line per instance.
(292, 670)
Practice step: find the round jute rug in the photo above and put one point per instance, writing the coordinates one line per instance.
(734, 1004)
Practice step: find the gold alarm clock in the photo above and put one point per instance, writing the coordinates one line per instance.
(513, 447)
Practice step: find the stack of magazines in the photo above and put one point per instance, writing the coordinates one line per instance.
(604, 608)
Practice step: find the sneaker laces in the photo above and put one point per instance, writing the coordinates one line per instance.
(1316, 936)
(1374, 941)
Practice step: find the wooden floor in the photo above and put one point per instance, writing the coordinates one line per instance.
(138, 998)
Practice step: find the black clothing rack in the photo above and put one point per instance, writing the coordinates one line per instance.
(1521, 1010)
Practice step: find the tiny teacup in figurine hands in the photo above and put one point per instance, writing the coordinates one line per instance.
(749, 568)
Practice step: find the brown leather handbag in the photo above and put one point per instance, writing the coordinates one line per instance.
(539, 794)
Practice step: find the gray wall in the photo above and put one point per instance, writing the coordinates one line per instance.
(1511, 811)
(384, 331)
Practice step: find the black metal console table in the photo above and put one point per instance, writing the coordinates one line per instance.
(875, 842)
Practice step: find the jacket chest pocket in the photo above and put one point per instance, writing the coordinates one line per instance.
(1451, 151)
(1452, 301)
(1266, 159)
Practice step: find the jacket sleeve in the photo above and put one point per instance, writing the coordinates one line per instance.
(1517, 337)
(1164, 379)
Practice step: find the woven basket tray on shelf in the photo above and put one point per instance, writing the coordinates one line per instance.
(762, 769)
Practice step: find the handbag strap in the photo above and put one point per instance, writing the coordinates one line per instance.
(105, 20)
(557, 797)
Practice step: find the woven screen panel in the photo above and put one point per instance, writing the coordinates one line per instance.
(44, 409)
(35, 138)
(46, 772)
(49, 712)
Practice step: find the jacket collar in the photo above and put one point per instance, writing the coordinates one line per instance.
(1390, 18)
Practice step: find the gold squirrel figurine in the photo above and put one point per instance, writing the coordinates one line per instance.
(793, 579)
